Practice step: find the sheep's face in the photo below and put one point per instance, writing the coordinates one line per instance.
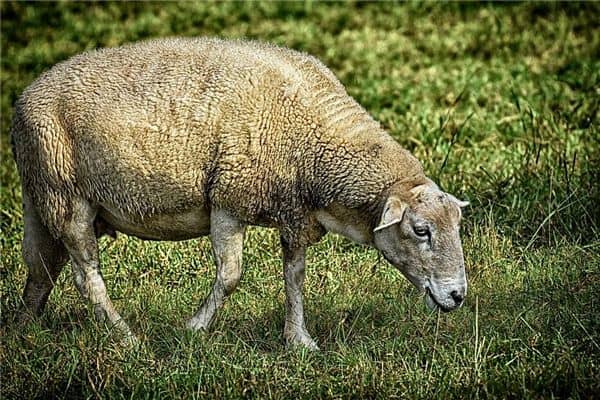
(419, 235)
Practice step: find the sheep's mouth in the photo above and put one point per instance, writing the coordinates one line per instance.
(434, 302)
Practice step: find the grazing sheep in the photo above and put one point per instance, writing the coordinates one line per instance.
(179, 138)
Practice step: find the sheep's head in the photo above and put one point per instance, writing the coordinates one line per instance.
(419, 234)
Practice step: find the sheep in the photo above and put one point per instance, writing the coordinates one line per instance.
(173, 139)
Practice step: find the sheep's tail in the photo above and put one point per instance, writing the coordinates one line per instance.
(44, 157)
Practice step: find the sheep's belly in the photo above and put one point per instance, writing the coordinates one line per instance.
(181, 226)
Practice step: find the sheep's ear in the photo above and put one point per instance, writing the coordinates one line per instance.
(393, 212)
(460, 203)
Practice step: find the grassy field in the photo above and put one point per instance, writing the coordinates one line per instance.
(499, 102)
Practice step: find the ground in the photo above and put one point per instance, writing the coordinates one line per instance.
(500, 103)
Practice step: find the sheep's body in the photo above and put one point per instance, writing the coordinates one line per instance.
(154, 130)
(178, 138)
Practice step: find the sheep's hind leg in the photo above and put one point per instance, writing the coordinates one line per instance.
(45, 257)
(294, 331)
(81, 242)
(227, 237)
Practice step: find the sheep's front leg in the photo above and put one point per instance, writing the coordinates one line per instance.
(294, 331)
(80, 240)
(227, 237)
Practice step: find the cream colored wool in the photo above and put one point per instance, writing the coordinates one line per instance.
(164, 126)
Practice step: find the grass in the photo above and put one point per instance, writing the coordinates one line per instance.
(499, 101)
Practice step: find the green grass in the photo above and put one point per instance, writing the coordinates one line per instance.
(499, 102)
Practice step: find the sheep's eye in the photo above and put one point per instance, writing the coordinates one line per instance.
(421, 231)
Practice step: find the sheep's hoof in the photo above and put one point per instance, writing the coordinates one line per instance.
(25, 317)
(300, 341)
(130, 341)
(197, 325)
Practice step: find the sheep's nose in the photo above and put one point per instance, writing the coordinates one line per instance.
(457, 297)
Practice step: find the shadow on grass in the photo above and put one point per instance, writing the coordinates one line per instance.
(541, 206)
